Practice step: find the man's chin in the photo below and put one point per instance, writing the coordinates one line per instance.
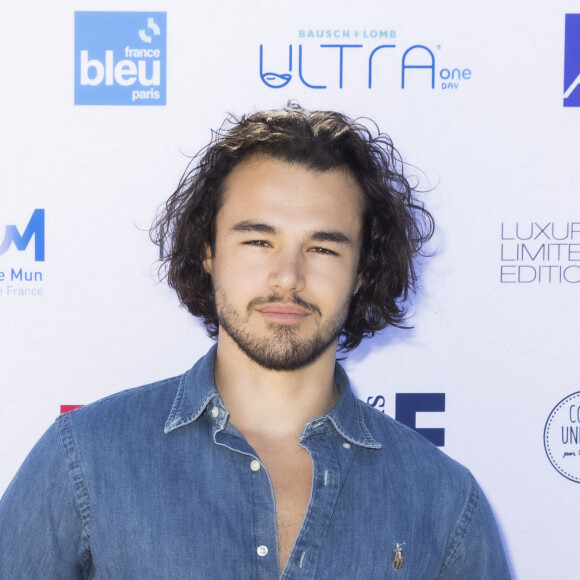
(283, 361)
(281, 351)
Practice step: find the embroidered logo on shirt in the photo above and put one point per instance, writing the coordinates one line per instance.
(398, 561)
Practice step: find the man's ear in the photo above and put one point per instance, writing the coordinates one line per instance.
(208, 260)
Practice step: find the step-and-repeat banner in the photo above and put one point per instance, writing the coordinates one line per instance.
(103, 102)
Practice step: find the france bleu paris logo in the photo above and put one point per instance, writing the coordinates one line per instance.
(572, 61)
(120, 58)
(34, 228)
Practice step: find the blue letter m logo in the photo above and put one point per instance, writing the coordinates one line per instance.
(34, 228)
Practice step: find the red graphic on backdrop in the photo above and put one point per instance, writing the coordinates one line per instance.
(67, 408)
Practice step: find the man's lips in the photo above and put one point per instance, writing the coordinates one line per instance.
(279, 311)
(274, 306)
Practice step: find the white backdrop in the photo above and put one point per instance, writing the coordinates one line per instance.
(496, 144)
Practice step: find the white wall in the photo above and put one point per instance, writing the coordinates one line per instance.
(498, 148)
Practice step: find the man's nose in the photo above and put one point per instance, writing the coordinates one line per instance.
(287, 271)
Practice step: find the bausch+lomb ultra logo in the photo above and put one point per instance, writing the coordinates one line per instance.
(120, 58)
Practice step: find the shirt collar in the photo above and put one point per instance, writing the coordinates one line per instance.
(347, 415)
(197, 388)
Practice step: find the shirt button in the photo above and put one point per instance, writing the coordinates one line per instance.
(346, 445)
(255, 466)
(215, 412)
(262, 550)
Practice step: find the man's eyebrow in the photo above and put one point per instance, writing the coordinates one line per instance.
(249, 226)
(335, 237)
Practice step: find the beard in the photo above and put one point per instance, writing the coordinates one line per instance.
(282, 349)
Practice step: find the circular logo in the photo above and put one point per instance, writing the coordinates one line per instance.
(562, 437)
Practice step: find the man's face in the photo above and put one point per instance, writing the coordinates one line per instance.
(285, 259)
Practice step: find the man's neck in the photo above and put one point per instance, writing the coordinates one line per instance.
(275, 404)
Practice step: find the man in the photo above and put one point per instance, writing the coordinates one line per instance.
(293, 233)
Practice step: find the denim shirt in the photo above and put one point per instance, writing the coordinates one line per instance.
(155, 483)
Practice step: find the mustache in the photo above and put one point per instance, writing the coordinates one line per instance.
(294, 299)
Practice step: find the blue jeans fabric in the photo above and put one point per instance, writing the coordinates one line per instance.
(155, 483)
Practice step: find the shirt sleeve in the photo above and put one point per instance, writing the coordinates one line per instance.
(41, 526)
(475, 551)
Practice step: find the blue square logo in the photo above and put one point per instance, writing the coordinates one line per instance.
(120, 58)
(572, 61)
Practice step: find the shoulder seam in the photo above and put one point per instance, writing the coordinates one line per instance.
(463, 525)
(132, 390)
(78, 482)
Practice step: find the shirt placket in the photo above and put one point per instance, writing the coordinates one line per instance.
(264, 532)
(331, 458)
(260, 498)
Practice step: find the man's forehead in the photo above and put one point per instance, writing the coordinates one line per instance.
(267, 196)
(257, 167)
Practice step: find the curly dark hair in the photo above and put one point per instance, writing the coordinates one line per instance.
(395, 224)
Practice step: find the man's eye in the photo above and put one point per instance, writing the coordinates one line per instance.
(259, 243)
(324, 251)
